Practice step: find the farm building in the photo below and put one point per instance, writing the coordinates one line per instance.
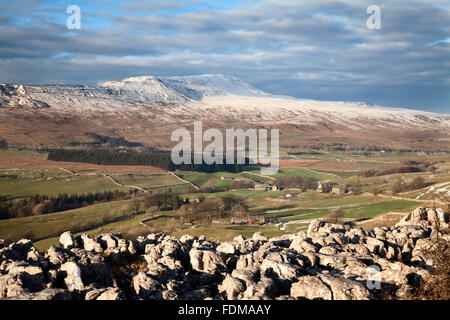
(264, 186)
(338, 190)
(226, 178)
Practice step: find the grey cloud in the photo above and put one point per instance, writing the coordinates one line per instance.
(310, 49)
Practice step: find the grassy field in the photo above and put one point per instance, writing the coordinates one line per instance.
(202, 179)
(129, 227)
(288, 172)
(45, 225)
(33, 173)
(24, 174)
(367, 210)
(75, 184)
(147, 180)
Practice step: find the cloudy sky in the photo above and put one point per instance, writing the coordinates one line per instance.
(318, 49)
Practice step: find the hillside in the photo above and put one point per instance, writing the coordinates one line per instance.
(137, 109)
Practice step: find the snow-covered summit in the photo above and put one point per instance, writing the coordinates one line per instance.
(185, 87)
(197, 87)
(147, 87)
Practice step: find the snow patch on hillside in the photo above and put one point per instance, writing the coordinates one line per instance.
(198, 87)
(147, 88)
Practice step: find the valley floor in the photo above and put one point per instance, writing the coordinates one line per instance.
(24, 174)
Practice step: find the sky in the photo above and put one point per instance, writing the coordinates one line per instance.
(311, 49)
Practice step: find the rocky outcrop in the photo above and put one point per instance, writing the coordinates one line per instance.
(329, 261)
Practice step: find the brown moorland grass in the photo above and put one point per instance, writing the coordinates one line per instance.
(297, 163)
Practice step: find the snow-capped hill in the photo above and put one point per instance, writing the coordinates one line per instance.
(15, 96)
(145, 107)
(147, 87)
(197, 87)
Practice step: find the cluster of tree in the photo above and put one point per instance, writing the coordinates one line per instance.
(205, 210)
(43, 204)
(425, 165)
(148, 158)
(3, 144)
(110, 141)
(9, 176)
(354, 186)
(400, 186)
(346, 147)
(308, 183)
(399, 169)
(166, 200)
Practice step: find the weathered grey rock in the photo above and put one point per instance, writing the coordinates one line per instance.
(105, 294)
(311, 287)
(66, 240)
(418, 215)
(188, 239)
(10, 286)
(345, 289)
(200, 294)
(206, 261)
(329, 250)
(249, 275)
(233, 287)
(375, 245)
(145, 286)
(443, 216)
(72, 279)
(314, 227)
(226, 248)
(108, 241)
(169, 295)
(87, 243)
(263, 289)
(281, 269)
(297, 242)
(359, 249)
(46, 294)
(258, 236)
(57, 256)
(330, 262)
(31, 277)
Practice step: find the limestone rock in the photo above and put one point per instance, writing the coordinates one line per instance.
(72, 279)
(66, 240)
(226, 248)
(232, 287)
(311, 287)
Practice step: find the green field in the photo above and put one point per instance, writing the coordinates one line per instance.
(295, 211)
(368, 210)
(147, 180)
(129, 227)
(201, 179)
(20, 188)
(49, 224)
(302, 172)
(34, 173)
